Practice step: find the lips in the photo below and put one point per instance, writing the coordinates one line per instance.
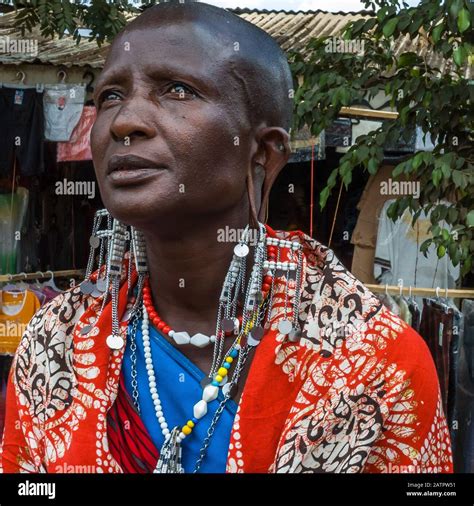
(132, 170)
(131, 163)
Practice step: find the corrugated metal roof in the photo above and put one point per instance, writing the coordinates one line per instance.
(291, 29)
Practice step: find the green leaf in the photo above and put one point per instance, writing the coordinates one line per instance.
(345, 97)
(436, 176)
(437, 31)
(373, 166)
(459, 56)
(362, 153)
(389, 27)
(470, 219)
(407, 59)
(464, 20)
(455, 7)
(418, 160)
(452, 215)
(332, 178)
(446, 170)
(398, 169)
(323, 197)
(347, 179)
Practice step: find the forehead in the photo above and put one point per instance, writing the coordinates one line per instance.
(185, 46)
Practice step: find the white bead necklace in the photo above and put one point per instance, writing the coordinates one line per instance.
(151, 376)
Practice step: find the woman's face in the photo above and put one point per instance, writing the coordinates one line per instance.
(171, 139)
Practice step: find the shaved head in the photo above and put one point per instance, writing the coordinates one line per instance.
(256, 62)
(202, 98)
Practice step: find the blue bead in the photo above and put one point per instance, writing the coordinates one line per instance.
(215, 383)
(227, 365)
(194, 420)
(234, 353)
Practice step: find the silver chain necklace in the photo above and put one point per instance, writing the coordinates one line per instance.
(133, 326)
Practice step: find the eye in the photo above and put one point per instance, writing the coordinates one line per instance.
(181, 90)
(105, 96)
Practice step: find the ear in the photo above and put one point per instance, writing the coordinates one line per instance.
(273, 151)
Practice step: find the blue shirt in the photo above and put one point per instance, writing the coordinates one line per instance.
(178, 383)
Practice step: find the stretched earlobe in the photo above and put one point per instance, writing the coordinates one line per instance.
(253, 219)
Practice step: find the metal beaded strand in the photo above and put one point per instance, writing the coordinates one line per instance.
(295, 333)
(90, 260)
(114, 271)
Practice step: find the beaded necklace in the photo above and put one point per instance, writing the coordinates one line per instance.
(253, 298)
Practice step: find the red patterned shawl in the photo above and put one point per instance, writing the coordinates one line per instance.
(358, 393)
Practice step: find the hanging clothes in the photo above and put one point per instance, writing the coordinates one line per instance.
(16, 310)
(415, 312)
(21, 130)
(78, 148)
(398, 256)
(463, 417)
(405, 314)
(389, 302)
(63, 104)
(436, 328)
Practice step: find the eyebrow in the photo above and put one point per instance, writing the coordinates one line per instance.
(121, 75)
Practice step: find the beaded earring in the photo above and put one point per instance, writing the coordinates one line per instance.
(115, 255)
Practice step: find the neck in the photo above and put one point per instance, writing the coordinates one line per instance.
(187, 272)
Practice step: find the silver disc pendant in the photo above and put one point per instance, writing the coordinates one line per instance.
(257, 332)
(101, 285)
(285, 326)
(87, 287)
(295, 335)
(85, 330)
(241, 250)
(115, 342)
(97, 293)
(94, 241)
(231, 389)
(228, 324)
(252, 342)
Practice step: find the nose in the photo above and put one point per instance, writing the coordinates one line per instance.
(132, 121)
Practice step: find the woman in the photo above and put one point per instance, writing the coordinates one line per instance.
(302, 369)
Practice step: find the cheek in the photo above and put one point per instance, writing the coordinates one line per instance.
(214, 153)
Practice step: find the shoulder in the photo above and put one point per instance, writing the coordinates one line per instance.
(342, 320)
(44, 354)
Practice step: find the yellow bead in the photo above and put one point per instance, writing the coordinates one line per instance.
(229, 360)
(218, 378)
(222, 371)
(190, 423)
(187, 430)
